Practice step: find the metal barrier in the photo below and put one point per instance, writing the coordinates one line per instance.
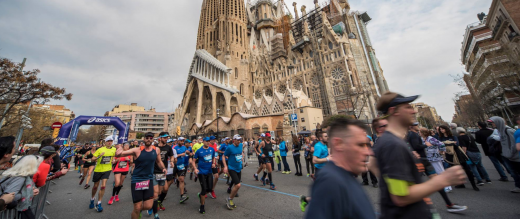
(37, 207)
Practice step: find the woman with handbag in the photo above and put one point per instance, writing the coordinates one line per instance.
(455, 155)
(308, 156)
(475, 159)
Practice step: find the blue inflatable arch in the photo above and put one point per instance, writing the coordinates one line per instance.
(68, 129)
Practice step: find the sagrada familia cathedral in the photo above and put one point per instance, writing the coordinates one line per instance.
(256, 63)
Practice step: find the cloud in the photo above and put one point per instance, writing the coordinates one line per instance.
(115, 52)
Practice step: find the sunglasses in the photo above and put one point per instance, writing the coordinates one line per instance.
(148, 138)
(382, 126)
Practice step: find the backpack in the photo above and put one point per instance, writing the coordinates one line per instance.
(495, 147)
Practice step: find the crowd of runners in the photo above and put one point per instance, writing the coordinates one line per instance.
(396, 157)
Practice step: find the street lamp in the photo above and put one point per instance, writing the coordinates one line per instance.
(218, 113)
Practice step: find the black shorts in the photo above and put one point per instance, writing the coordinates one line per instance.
(260, 160)
(235, 176)
(206, 183)
(101, 175)
(170, 177)
(220, 163)
(177, 172)
(81, 162)
(142, 195)
(88, 164)
(214, 170)
(122, 173)
(268, 160)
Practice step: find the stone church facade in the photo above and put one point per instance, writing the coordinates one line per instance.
(257, 61)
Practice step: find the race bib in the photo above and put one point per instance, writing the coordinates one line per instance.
(144, 185)
(216, 154)
(105, 160)
(270, 153)
(160, 177)
(180, 167)
(207, 158)
(123, 164)
(238, 157)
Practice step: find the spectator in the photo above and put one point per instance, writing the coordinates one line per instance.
(48, 153)
(56, 159)
(474, 158)
(18, 180)
(481, 137)
(283, 154)
(511, 158)
(453, 129)
(6, 149)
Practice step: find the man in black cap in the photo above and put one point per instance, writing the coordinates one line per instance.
(481, 137)
(403, 193)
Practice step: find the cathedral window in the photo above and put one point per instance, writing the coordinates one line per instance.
(236, 72)
(265, 111)
(337, 88)
(277, 108)
(330, 45)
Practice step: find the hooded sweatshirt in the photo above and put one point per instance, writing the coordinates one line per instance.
(507, 139)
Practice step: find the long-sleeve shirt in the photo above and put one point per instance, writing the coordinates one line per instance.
(433, 152)
(40, 176)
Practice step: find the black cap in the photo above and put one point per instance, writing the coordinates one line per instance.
(391, 99)
(149, 134)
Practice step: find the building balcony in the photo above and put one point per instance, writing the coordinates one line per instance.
(500, 27)
(487, 63)
(265, 23)
(481, 51)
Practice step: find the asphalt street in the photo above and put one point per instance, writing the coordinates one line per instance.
(69, 200)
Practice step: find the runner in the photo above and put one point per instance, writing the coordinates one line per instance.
(88, 165)
(196, 147)
(102, 171)
(170, 177)
(233, 154)
(215, 170)
(320, 156)
(134, 144)
(221, 149)
(80, 154)
(206, 161)
(159, 182)
(180, 167)
(403, 193)
(267, 155)
(144, 157)
(120, 172)
(187, 160)
(261, 164)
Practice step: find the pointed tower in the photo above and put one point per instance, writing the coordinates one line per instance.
(223, 34)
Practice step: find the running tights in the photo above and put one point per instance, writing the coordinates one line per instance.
(297, 163)
(307, 162)
(116, 190)
(155, 206)
(445, 197)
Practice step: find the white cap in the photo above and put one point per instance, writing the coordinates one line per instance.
(109, 138)
(181, 138)
(262, 135)
(237, 137)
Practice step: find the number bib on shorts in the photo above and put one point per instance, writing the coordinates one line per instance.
(160, 176)
(105, 160)
(144, 185)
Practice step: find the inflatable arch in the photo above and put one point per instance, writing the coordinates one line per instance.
(71, 128)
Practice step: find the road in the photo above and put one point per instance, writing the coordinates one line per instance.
(69, 200)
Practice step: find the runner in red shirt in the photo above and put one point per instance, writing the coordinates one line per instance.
(120, 171)
(213, 144)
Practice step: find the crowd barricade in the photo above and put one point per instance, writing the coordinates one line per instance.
(37, 207)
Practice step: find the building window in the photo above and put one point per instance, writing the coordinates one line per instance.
(330, 45)
(303, 119)
(236, 72)
(301, 110)
(265, 15)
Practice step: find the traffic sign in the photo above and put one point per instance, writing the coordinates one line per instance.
(56, 125)
(294, 117)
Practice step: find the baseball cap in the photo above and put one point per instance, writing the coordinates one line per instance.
(170, 140)
(267, 135)
(206, 139)
(415, 124)
(163, 135)
(237, 137)
(109, 138)
(262, 135)
(187, 141)
(47, 150)
(391, 99)
(181, 139)
(200, 137)
(212, 137)
(149, 134)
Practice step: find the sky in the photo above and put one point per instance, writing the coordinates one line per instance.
(134, 51)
